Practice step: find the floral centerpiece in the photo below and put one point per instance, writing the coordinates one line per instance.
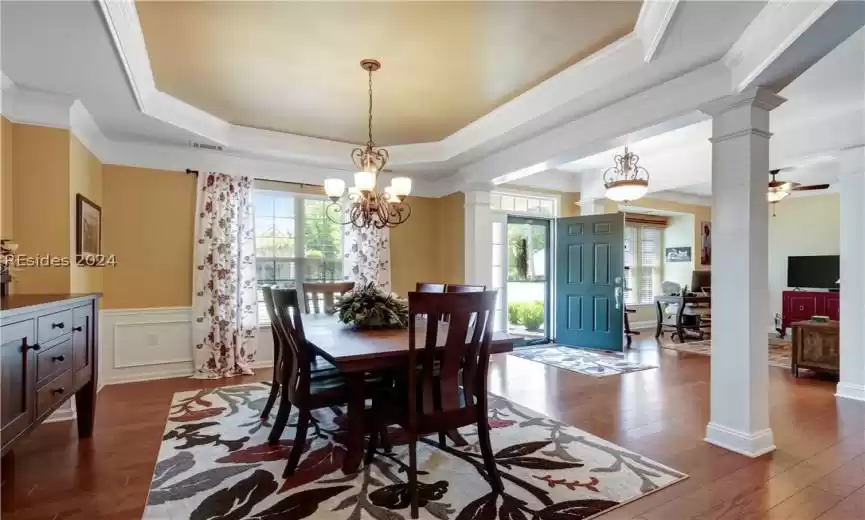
(368, 307)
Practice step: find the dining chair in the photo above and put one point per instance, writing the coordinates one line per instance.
(298, 387)
(456, 375)
(430, 287)
(280, 354)
(461, 288)
(320, 297)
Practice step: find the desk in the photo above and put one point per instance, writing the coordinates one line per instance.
(355, 352)
(677, 325)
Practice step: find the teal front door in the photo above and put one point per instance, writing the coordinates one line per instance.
(589, 281)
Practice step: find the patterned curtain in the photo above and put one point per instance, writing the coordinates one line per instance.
(224, 307)
(367, 256)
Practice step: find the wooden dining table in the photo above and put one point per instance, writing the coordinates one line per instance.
(356, 352)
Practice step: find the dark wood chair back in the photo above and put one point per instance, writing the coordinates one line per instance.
(320, 298)
(462, 362)
(295, 353)
(461, 288)
(430, 287)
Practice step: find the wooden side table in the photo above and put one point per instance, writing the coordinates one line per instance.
(815, 346)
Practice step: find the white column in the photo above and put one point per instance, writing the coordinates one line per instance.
(851, 381)
(478, 238)
(739, 407)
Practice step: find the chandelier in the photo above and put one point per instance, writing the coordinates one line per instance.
(626, 181)
(362, 205)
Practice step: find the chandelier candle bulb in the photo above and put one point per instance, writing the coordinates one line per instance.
(334, 188)
(401, 186)
(364, 181)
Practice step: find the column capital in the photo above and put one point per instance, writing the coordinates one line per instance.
(759, 97)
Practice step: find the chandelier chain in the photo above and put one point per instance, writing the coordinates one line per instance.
(370, 141)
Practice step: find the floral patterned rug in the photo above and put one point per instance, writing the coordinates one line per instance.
(215, 463)
(780, 350)
(590, 362)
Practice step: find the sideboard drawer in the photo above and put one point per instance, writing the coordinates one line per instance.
(802, 307)
(53, 392)
(52, 361)
(54, 325)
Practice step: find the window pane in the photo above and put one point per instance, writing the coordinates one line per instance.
(507, 203)
(283, 247)
(520, 204)
(496, 201)
(533, 205)
(263, 204)
(283, 228)
(285, 271)
(264, 247)
(547, 207)
(263, 227)
(265, 271)
(284, 206)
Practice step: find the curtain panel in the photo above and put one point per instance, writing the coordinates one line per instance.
(367, 256)
(224, 308)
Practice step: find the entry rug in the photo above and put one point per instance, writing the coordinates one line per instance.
(780, 350)
(215, 463)
(590, 362)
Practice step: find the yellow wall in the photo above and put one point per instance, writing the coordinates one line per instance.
(450, 237)
(40, 168)
(413, 247)
(85, 177)
(148, 224)
(7, 149)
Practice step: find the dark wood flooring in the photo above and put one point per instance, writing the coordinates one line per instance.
(818, 470)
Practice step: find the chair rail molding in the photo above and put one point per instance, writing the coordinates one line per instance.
(151, 343)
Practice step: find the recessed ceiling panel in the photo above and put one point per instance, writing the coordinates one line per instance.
(294, 66)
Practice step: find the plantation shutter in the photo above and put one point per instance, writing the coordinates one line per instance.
(650, 263)
(631, 267)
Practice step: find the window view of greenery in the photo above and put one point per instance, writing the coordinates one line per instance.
(526, 253)
(282, 256)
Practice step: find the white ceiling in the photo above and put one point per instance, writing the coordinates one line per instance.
(68, 50)
(823, 104)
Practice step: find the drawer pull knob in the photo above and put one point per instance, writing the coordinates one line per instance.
(34, 346)
(801, 307)
(57, 325)
(77, 329)
(59, 358)
(58, 390)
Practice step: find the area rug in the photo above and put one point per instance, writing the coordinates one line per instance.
(595, 363)
(215, 463)
(780, 350)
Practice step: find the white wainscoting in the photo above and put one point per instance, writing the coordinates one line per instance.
(153, 343)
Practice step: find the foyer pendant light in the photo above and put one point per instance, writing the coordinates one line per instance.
(362, 205)
(626, 181)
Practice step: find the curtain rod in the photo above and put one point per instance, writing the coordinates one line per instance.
(300, 184)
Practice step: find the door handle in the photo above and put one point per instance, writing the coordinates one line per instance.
(617, 293)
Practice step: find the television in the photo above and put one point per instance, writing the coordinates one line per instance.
(813, 272)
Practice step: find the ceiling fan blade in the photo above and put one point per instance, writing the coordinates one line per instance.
(812, 187)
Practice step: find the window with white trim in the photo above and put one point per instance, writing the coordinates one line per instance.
(524, 204)
(644, 263)
(294, 241)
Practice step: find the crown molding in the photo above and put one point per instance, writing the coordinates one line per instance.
(613, 62)
(37, 108)
(678, 196)
(770, 33)
(652, 24)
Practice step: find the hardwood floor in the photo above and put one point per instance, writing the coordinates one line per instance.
(818, 470)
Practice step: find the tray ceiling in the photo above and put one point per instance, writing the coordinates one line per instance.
(294, 66)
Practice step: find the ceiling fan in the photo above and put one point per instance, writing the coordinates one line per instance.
(778, 190)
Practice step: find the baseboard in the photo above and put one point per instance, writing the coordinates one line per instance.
(750, 445)
(850, 391)
(643, 325)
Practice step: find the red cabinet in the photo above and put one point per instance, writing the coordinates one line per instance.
(801, 305)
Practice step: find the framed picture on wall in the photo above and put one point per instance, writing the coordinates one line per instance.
(677, 254)
(88, 231)
(705, 243)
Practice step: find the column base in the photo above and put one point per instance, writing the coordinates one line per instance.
(750, 445)
(850, 391)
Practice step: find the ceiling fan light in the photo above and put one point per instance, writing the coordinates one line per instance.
(627, 190)
(776, 194)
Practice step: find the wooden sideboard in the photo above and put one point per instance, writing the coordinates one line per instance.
(815, 346)
(49, 353)
(801, 305)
